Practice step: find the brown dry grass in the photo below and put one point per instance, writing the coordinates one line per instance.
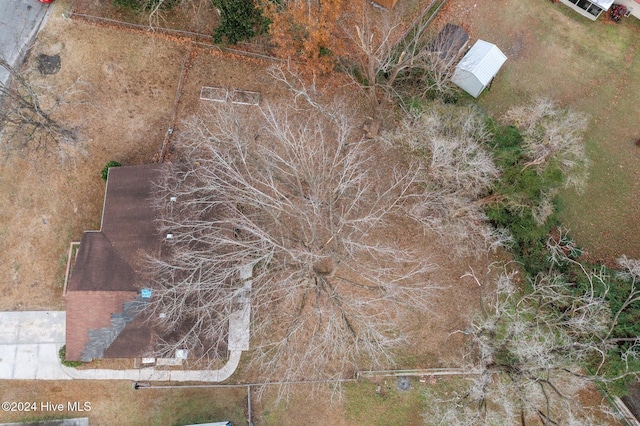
(130, 84)
(117, 403)
(132, 79)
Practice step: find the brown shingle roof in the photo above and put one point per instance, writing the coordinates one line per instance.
(88, 310)
(128, 217)
(100, 267)
(104, 276)
(136, 340)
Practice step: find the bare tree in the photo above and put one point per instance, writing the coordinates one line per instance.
(552, 135)
(527, 349)
(26, 126)
(157, 10)
(418, 61)
(295, 192)
(456, 177)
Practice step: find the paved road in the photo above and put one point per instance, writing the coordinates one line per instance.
(20, 21)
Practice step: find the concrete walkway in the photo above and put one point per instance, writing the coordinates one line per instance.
(29, 345)
(20, 21)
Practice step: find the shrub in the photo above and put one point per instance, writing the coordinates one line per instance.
(241, 20)
(62, 354)
(105, 169)
(527, 206)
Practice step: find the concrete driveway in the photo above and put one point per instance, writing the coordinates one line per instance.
(20, 21)
(30, 341)
(29, 344)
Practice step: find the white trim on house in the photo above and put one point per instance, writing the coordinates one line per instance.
(604, 4)
(589, 8)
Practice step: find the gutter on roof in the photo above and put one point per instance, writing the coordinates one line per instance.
(104, 200)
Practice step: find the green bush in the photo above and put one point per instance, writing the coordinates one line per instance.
(627, 326)
(241, 20)
(62, 354)
(520, 191)
(105, 169)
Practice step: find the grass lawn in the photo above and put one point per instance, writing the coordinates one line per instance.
(363, 403)
(378, 402)
(117, 403)
(587, 66)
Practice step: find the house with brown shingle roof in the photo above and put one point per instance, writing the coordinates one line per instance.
(105, 290)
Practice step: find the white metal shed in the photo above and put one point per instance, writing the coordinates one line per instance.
(478, 67)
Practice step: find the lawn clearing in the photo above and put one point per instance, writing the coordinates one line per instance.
(587, 66)
(127, 84)
(117, 403)
(379, 402)
(362, 404)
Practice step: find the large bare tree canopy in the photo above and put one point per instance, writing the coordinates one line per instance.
(552, 135)
(294, 191)
(457, 176)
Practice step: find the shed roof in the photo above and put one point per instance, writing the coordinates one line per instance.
(483, 60)
(478, 67)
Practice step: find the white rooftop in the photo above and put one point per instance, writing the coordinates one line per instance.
(603, 4)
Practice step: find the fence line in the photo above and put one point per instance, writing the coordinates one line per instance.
(189, 34)
(174, 114)
(418, 372)
(150, 28)
(241, 385)
(617, 403)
